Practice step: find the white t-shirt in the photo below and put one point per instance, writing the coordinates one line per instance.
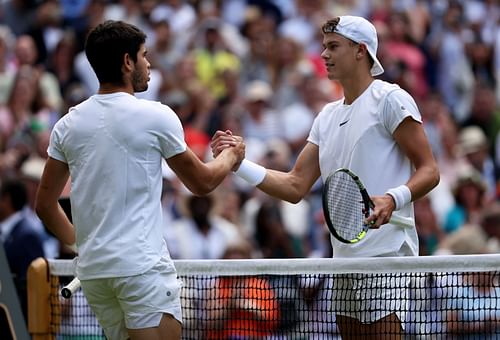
(359, 137)
(113, 145)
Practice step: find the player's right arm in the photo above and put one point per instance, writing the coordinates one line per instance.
(54, 178)
(294, 185)
(290, 186)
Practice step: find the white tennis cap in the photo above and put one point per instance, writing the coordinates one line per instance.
(361, 31)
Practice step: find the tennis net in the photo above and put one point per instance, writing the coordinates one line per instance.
(436, 297)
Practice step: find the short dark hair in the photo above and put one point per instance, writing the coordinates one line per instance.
(330, 25)
(106, 45)
(16, 190)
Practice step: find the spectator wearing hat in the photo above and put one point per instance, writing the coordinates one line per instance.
(469, 191)
(260, 121)
(474, 146)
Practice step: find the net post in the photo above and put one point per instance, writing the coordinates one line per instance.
(39, 304)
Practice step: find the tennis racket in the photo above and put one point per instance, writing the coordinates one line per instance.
(346, 205)
(68, 290)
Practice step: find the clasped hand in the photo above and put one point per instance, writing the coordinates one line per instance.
(222, 140)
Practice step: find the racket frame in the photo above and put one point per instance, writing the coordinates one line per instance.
(367, 202)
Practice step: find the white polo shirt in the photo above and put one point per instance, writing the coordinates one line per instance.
(359, 137)
(113, 145)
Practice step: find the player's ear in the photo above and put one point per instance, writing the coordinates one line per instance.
(128, 63)
(362, 51)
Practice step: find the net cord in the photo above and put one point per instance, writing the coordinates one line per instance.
(298, 266)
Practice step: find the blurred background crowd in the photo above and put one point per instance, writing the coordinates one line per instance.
(254, 66)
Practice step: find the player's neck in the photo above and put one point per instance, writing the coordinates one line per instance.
(354, 87)
(107, 88)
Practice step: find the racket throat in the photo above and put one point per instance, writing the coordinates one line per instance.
(367, 202)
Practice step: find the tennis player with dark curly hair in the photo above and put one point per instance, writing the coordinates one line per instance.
(112, 146)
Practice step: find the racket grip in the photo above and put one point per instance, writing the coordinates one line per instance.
(68, 290)
(401, 221)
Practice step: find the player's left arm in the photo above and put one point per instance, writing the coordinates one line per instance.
(412, 140)
(54, 178)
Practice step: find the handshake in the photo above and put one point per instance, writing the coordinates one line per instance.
(225, 141)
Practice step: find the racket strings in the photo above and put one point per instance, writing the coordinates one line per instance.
(345, 206)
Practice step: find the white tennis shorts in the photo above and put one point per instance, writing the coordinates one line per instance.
(134, 302)
(369, 298)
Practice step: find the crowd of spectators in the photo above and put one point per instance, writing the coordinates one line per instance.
(254, 67)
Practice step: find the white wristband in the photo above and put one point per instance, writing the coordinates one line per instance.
(401, 196)
(251, 172)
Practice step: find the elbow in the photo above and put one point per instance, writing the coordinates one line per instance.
(200, 191)
(432, 178)
(295, 193)
(294, 199)
(436, 177)
(202, 188)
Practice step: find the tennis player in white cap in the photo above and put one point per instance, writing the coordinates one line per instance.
(376, 131)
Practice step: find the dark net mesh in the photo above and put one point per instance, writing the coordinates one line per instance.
(430, 305)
